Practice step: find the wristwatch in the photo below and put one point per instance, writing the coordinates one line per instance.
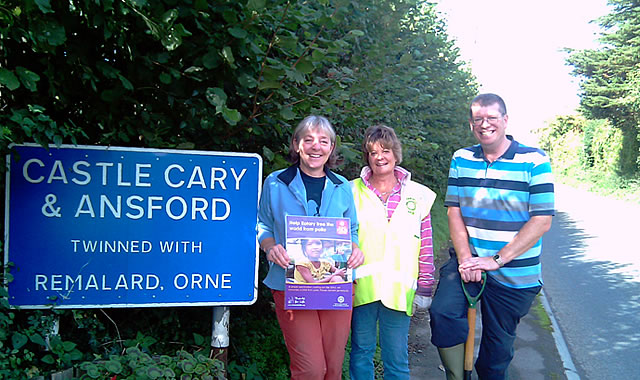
(498, 260)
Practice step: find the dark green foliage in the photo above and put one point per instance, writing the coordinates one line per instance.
(189, 74)
(575, 144)
(257, 341)
(258, 345)
(29, 345)
(231, 76)
(404, 73)
(215, 75)
(136, 364)
(611, 79)
(601, 145)
(589, 152)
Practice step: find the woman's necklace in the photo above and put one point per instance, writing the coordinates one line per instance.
(385, 193)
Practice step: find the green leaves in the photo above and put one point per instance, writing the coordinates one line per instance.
(52, 33)
(227, 54)
(91, 370)
(28, 78)
(173, 37)
(218, 98)
(169, 17)
(211, 60)
(137, 364)
(610, 78)
(305, 66)
(9, 79)
(287, 113)
(18, 340)
(113, 366)
(256, 5)
(238, 32)
(37, 339)
(231, 116)
(44, 6)
(226, 76)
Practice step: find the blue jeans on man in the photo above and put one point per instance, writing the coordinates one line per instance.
(393, 327)
(501, 308)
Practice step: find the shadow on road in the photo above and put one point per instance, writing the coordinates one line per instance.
(596, 302)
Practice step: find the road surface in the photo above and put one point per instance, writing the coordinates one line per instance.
(591, 271)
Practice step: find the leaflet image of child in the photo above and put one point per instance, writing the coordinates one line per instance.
(315, 268)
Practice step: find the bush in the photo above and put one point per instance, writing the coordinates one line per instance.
(591, 152)
(225, 76)
(135, 364)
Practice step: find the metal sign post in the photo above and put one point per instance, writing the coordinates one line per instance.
(220, 334)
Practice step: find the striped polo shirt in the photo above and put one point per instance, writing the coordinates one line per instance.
(497, 198)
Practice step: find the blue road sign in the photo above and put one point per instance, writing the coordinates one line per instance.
(92, 226)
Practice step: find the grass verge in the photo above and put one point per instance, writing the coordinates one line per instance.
(541, 314)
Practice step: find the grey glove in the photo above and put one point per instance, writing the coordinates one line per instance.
(421, 303)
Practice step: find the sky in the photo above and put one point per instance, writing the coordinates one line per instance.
(514, 48)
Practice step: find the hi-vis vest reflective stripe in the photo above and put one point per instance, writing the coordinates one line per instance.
(390, 270)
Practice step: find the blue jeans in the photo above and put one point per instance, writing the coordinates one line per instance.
(501, 308)
(393, 327)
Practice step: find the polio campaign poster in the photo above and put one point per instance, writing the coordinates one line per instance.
(318, 277)
(91, 226)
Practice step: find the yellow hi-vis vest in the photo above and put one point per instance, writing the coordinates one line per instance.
(390, 270)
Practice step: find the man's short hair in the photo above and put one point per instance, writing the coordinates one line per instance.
(485, 100)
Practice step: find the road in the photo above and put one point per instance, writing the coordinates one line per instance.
(591, 271)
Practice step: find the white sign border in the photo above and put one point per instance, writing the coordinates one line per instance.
(130, 149)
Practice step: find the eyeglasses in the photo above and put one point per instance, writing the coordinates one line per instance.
(478, 121)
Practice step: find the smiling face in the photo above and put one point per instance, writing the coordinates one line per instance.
(489, 127)
(381, 160)
(314, 149)
(313, 249)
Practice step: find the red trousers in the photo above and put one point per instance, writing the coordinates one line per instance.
(315, 339)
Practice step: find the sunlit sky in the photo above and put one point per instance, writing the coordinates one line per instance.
(514, 48)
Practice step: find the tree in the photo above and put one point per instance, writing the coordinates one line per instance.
(404, 72)
(229, 76)
(189, 74)
(611, 78)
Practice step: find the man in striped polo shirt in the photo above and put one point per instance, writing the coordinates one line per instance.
(500, 202)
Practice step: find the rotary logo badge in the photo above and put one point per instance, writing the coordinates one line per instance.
(411, 205)
(342, 227)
